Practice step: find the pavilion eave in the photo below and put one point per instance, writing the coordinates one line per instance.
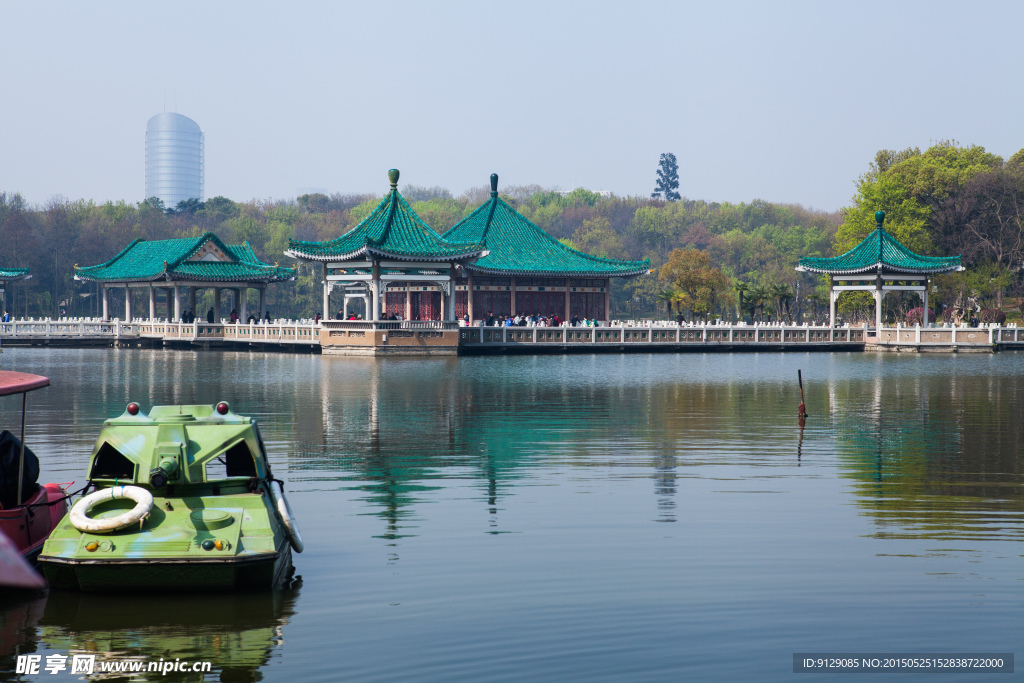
(880, 267)
(554, 273)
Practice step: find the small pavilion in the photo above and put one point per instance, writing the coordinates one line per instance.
(392, 247)
(194, 263)
(527, 271)
(8, 275)
(879, 263)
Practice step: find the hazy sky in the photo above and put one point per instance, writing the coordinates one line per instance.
(783, 101)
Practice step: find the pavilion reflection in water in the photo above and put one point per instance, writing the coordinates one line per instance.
(930, 460)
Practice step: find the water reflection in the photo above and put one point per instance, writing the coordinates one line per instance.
(238, 634)
(922, 439)
(936, 457)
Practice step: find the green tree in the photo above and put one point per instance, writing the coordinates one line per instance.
(740, 288)
(910, 187)
(667, 184)
(690, 271)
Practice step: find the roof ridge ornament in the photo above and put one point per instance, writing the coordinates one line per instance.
(393, 177)
(494, 185)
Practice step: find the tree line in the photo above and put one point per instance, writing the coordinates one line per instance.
(713, 258)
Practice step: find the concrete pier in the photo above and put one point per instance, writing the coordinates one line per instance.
(443, 338)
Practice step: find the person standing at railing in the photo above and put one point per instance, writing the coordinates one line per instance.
(209, 315)
(7, 317)
(267, 318)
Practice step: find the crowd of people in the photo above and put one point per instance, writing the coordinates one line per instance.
(233, 318)
(535, 320)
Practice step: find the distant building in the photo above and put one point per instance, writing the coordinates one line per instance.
(174, 159)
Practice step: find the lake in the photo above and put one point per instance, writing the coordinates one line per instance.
(595, 518)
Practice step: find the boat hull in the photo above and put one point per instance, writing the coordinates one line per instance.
(30, 524)
(267, 570)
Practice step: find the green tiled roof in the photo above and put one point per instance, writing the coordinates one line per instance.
(880, 249)
(392, 229)
(11, 274)
(518, 247)
(150, 260)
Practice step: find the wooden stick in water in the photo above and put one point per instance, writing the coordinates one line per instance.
(802, 410)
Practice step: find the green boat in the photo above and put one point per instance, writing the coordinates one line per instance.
(184, 500)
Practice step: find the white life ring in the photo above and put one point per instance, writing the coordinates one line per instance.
(80, 519)
(284, 511)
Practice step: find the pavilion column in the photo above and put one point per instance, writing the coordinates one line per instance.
(127, 302)
(924, 313)
(106, 303)
(608, 300)
(879, 294)
(469, 295)
(327, 297)
(375, 293)
(177, 302)
(451, 292)
(831, 301)
(408, 302)
(152, 302)
(244, 296)
(512, 307)
(216, 304)
(568, 298)
(263, 302)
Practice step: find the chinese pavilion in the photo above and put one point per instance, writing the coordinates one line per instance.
(879, 263)
(527, 271)
(8, 275)
(195, 263)
(393, 248)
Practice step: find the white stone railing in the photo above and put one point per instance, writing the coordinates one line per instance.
(660, 334)
(390, 324)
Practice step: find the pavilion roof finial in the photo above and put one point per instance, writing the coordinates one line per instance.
(494, 184)
(879, 218)
(393, 177)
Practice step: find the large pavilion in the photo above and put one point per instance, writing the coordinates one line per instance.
(194, 263)
(7, 276)
(879, 263)
(527, 271)
(392, 247)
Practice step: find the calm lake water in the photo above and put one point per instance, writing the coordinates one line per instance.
(597, 518)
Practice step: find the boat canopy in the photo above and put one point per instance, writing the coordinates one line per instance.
(20, 382)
